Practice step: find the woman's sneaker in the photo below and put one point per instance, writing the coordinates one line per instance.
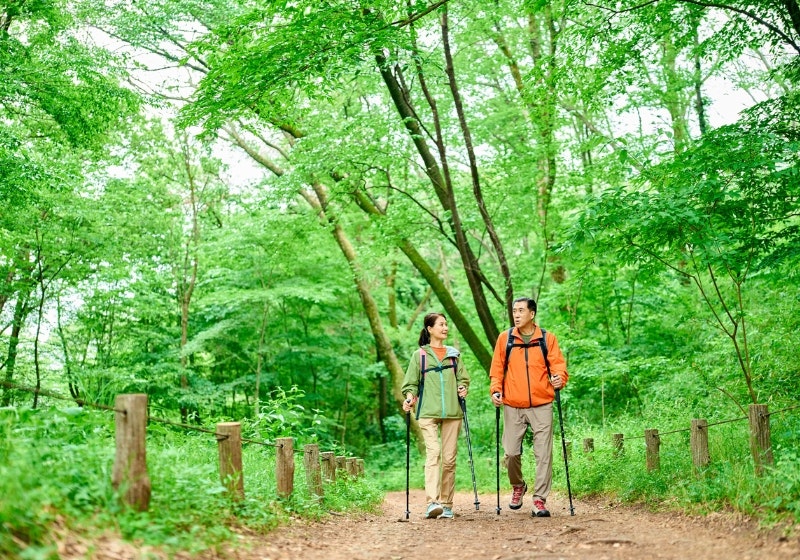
(516, 495)
(447, 513)
(539, 510)
(434, 511)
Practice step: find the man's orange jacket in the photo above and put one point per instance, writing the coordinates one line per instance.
(525, 383)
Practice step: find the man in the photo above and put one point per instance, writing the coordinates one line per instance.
(526, 393)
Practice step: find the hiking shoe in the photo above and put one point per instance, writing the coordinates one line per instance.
(434, 511)
(447, 513)
(538, 509)
(516, 496)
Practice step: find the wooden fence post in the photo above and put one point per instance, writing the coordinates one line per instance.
(313, 474)
(229, 444)
(588, 445)
(341, 463)
(619, 444)
(328, 466)
(760, 446)
(652, 443)
(699, 443)
(350, 466)
(130, 462)
(360, 465)
(284, 466)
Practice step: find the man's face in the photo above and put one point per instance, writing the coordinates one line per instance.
(522, 315)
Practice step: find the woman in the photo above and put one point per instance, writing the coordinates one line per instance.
(434, 381)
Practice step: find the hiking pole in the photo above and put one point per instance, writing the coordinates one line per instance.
(564, 449)
(463, 402)
(408, 448)
(497, 450)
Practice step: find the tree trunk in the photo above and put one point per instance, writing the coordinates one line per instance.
(260, 359)
(188, 273)
(74, 391)
(39, 318)
(317, 199)
(673, 98)
(6, 287)
(20, 311)
(699, 104)
(445, 297)
(473, 167)
(437, 177)
(793, 9)
(390, 285)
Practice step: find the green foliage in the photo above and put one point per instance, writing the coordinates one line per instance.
(282, 415)
(681, 231)
(328, 39)
(56, 465)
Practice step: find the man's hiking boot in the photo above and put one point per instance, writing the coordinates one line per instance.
(447, 513)
(434, 511)
(516, 496)
(538, 509)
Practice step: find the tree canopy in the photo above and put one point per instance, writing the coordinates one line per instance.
(217, 203)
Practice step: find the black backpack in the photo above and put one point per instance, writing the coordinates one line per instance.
(542, 343)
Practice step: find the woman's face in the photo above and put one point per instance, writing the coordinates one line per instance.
(439, 329)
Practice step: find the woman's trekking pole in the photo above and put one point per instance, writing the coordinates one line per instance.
(463, 402)
(408, 456)
(564, 449)
(497, 450)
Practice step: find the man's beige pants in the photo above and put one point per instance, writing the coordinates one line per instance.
(515, 424)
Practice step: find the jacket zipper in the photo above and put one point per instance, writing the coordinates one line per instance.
(441, 384)
(528, 376)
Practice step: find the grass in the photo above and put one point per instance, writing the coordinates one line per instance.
(728, 483)
(55, 468)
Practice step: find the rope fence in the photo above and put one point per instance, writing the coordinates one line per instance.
(52, 395)
(758, 416)
(132, 418)
(89, 404)
(719, 423)
(130, 468)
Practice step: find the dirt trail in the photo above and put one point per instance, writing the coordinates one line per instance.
(598, 531)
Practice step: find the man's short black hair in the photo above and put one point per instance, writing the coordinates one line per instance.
(530, 301)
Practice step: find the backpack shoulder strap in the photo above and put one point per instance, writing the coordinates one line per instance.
(543, 346)
(543, 343)
(509, 346)
(441, 367)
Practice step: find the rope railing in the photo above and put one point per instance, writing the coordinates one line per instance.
(718, 423)
(130, 467)
(52, 395)
(759, 436)
(83, 402)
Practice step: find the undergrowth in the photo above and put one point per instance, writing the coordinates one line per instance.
(56, 466)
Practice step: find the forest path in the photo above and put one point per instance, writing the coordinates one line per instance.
(598, 531)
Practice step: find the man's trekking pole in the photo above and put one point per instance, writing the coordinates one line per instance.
(463, 402)
(564, 449)
(497, 450)
(408, 456)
